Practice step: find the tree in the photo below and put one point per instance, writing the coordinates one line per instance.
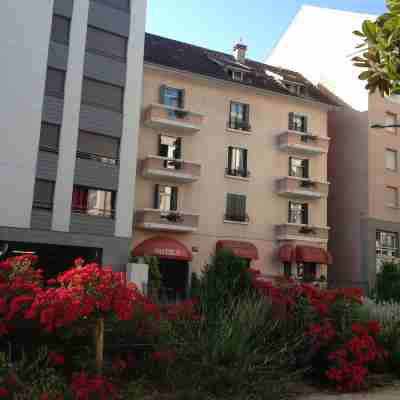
(380, 51)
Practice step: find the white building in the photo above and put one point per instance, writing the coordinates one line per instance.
(71, 89)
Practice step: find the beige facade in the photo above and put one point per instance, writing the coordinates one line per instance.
(202, 182)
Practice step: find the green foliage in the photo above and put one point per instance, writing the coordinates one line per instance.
(194, 286)
(388, 283)
(224, 280)
(379, 50)
(155, 277)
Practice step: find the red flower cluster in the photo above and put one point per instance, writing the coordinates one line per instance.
(88, 388)
(54, 359)
(167, 355)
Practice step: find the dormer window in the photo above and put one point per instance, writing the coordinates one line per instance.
(235, 75)
(297, 89)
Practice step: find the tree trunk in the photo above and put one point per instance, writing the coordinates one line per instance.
(99, 344)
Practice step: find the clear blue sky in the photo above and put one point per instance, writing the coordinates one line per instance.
(217, 24)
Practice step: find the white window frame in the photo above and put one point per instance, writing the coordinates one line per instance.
(395, 153)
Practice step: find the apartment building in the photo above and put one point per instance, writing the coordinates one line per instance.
(232, 154)
(71, 93)
(363, 161)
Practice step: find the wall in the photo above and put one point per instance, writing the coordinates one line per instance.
(324, 57)
(24, 42)
(207, 197)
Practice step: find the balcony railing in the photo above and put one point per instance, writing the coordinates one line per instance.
(303, 143)
(240, 173)
(173, 221)
(180, 171)
(291, 186)
(159, 116)
(307, 233)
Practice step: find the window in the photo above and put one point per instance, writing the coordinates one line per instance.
(93, 202)
(391, 196)
(298, 122)
(235, 75)
(387, 244)
(43, 195)
(118, 4)
(172, 97)
(237, 162)
(49, 137)
(239, 116)
(102, 94)
(236, 208)
(287, 269)
(298, 167)
(106, 43)
(297, 89)
(391, 160)
(171, 148)
(60, 29)
(166, 198)
(391, 119)
(98, 147)
(55, 82)
(298, 213)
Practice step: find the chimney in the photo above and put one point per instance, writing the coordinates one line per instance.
(239, 52)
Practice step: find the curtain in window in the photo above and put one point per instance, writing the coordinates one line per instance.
(79, 199)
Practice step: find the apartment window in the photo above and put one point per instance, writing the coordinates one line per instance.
(172, 97)
(49, 137)
(43, 194)
(55, 82)
(391, 196)
(171, 148)
(166, 198)
(106, 43)
(239, 116)
(391, 160)
(97, 147)
(236, 208)
(237, 162)
(102, 94)
(118, 4)
(93, 202)
(235, 75)
(298, 122)
(391, 119)
(387, 244)
(298, 213)
(60, 29)
(298, 167)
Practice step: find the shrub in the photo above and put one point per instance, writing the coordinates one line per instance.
(388, 283)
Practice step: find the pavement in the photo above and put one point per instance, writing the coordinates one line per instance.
(381, 394)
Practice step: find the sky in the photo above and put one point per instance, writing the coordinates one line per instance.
(219, 24)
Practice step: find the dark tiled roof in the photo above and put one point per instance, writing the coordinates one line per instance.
(186, 57)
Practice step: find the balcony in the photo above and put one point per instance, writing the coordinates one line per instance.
(179, 171)
(161, 117)
(302, 143)
(291, 186)
(169, 221)
(303, 233)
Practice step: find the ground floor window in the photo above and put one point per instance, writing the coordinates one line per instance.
(387, 246)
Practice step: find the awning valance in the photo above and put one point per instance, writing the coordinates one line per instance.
(305, 254)
(240, 249)
(163, 247)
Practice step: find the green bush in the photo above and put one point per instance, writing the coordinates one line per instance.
(388, 283)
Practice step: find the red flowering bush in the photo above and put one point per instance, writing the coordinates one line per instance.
(84, 387)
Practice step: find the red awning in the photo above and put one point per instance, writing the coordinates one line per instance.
(310, 254)
(163, 247)
(286, 253)
(240, 249)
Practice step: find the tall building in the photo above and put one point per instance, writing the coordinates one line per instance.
(71, 93)
(363, 208)
(232, 154)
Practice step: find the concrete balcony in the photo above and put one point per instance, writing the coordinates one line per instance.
(302, 233)
(302, 143)
(168, 221)
(161, 117)
(162, 168)
(294, 187)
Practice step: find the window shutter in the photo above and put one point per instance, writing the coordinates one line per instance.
(246, 113)
(242, 207)
(305, 124)
(157, 197)
(174, 199)
(162, 94)
(290, 166)
(182, 98)
(304, 216)
(244, 155)
(290, 212)
(162, 148)
(291, 121)
(178, 149)
(230, 149)
(229, 205)
(306, 168)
